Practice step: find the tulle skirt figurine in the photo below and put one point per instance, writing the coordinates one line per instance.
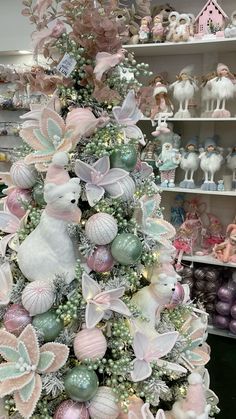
(210, 162)
(189, 163)
(223, 86)
(183, 91)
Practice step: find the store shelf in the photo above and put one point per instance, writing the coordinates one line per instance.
(220, 332)
(198, 119)
(172, 48)
(198, 191)
(209, 260)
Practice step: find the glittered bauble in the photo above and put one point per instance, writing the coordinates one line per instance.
(187, 272)
(135, 405)
(14, 201)
(232, 326)
(23, 175)
(128, 187)
(211, 286)
(200, 285)
(81, 384)
(126, 249)
(211, 296)
(16, 319)
(48, 324)
(90, 343)
(38, 297)
(233, 311)
(101, 228)
(200, 273)
(103, 404)
(225, 293)
(69, 409)
(101, 259)
(212, 275)
(38, 194)
(223, 308)
(210, 307)
(220, 321)
(124, 158)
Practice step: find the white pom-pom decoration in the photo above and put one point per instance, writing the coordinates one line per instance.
(128, 187)
(90, 343)
(23, 175)
(38, 297)
(103, 405)
(101, 228)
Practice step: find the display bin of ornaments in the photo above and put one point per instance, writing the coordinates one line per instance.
(215, 289)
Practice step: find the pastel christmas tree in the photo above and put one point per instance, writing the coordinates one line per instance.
(94, 321)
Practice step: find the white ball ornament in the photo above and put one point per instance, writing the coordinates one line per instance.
(128, 187)
(101, 228)
(103, 404)
(90, 343)
(38, 297)
(23, 175)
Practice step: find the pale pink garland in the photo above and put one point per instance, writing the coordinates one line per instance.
(73, 216)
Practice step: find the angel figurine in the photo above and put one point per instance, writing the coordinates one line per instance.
(189, 163)
(173, 16)
(210, 162)
(183, 91)
(231, 163)
(223, 86)
(158, 29)
(168, 161)
(144, 30)
(182, 30)
(230, 30)
(207, 95)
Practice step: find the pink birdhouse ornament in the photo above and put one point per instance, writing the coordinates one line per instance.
(210, 20)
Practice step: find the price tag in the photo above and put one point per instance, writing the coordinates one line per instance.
(66, 65)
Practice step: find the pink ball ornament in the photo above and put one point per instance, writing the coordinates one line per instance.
(225, 293)
(16, 319)
(70, 409)
(90, 343)
(233, 311)
(14, 201)
(220, 321)
(232, 326)
(223, 308)
(101, 228)
(103, 404)
(23, 175)
(101, 259)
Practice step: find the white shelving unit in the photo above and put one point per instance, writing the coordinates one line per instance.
(204, 55)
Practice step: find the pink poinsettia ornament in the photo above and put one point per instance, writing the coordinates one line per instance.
(83, 122)
(25, 362)
(6, 282)
(105, 61)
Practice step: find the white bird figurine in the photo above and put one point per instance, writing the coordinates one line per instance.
(105, 61)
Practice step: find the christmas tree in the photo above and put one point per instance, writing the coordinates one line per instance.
(95, 322)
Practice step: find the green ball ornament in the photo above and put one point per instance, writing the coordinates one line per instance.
(81, 384)
(124, 158)
(48, 324)
(38, 194)
(126, 249)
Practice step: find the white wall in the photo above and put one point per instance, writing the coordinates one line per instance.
(15, 29)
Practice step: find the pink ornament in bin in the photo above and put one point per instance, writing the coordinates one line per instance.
(15, 200)
(223, 308)
(233, 311)
(226, 294)
(221, 322)
(232, 326)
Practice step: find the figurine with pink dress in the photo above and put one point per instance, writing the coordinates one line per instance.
(144, 30)
(158, 29)
(162, 99)
(223, 88)
(226, 251)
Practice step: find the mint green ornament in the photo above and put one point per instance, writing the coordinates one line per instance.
(124, 158)
(81, 384)
(48, 325)
(38, 194)
(126, 249)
